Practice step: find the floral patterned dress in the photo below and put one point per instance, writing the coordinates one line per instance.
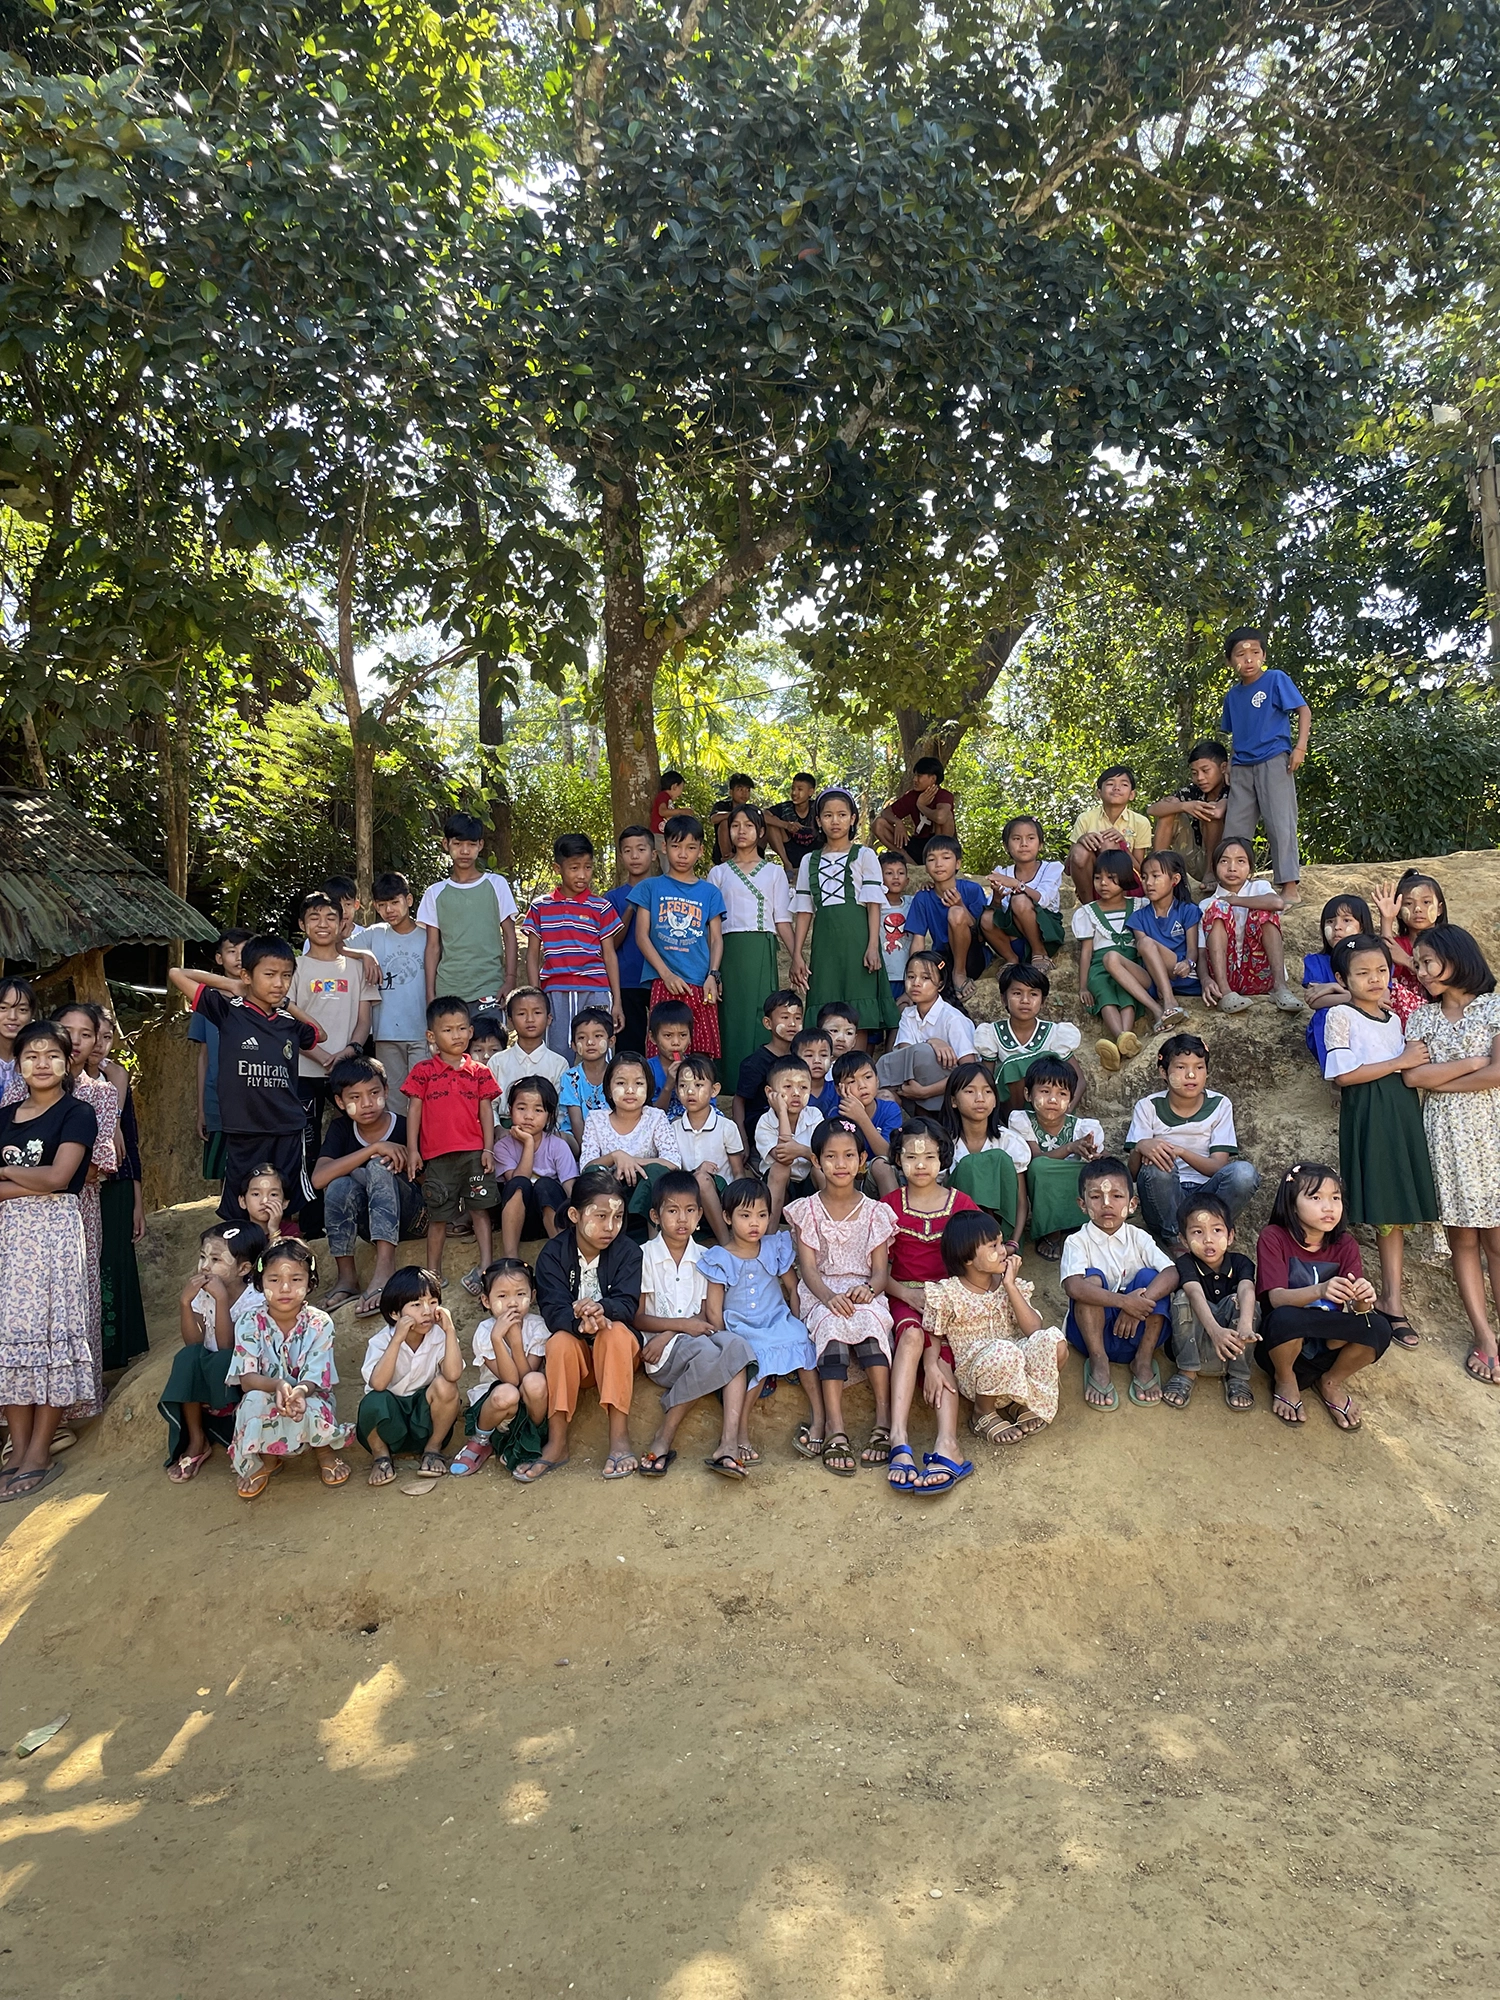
(990, 1358)
(104, 1101)
(1463, 1126)
(842, 1252)
(303, 1356)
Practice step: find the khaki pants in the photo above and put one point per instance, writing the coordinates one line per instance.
(573, 1365)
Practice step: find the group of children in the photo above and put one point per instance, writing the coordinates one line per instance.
(737, 1181)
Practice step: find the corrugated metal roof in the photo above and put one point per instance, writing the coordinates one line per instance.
(64, 888)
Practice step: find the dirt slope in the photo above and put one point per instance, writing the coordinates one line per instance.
(1161, 1704)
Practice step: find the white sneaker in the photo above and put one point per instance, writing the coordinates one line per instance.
(1236, 1003)
(1288, 1001)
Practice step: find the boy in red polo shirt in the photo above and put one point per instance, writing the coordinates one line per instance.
(570, 945)
(450, 1134)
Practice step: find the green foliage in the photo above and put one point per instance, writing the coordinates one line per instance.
(1413, 777)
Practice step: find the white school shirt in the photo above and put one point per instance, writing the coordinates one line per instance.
(996, 1041)
(1003, 1142)
(1045, 885)
(534, 1337)
(1083, 1128)
(1212, 1131)
(508, 1066)
(742, 911)
(941, 1023)
(1119, 1256)
(711, 1144)
(1107, 930)
(1352, 1039)
(869, 883)
(670, 1290)
(768, 1135)
(415, 1367)
(206, 1306)
(1235, 916)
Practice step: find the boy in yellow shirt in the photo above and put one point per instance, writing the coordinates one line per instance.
(1111, 823)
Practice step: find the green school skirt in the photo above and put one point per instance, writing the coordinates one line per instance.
(124, 1316)
(990, 1180)
(197, 1376)
(836, 965)
(1053, 1187)
(1383, 1155)
(749, 974)
(404, 1422)
(1048, 923)
(638, 1207)
(1109, 992)
(515, 1443)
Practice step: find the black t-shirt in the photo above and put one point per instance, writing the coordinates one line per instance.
(1220, 1284)
(341, 1139)
(801, 829)
(69, 1122)
(257, 1064)
(721, 831)
(751, 1085)
(1195, 795)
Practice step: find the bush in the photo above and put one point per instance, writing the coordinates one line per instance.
(1414, 777)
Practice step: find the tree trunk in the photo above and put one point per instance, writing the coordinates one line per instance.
(363, 751)
(630, 659)
(36, 763)
(173, 731)
(924, 735)
(1484, 498)
(491, 768)
(86, 970)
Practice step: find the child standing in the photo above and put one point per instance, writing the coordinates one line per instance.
(1184, 1142)
(205, 1035)
(1111, 980)
(398, 944)
(411, 1374)
(1110, 827)
(1242, 936)
(679, 928)
(839, 897)
(1057, 1141)
(672, 1032)
(17, 1008)
(580, 1089)
(933, 1035)
(750, 1294)
(1213, 1308)
(1116, 1279)
(1021, 1036)
(361, 1172)
(1458, 1029)
(507, 1411)
(1416, 904)
(685, 1355)
(533, 1166)
(922, 1209)
(895, 944)
(450, 1134)
(528, 1052)
(757, 913)
(665, 805)
(782, 1014)
(1383, 1155)
(470, 919)
(842, 1256)
(283, 1366)
(1343, 916)
(1263, 777)
(197, 1403)
(1004, 1360)
(79, 1022)
(635, 851)
(1027, 896)
(1318, 1318)
(1166, 933)
(987, 1157)
(570, 944)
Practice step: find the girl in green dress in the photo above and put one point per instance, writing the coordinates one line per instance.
(757, 916)
(1059, 1142)
(839, 897)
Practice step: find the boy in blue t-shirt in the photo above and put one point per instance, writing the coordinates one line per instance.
(636, 852)
(951, 915)
(679, 927)
(1257, 714)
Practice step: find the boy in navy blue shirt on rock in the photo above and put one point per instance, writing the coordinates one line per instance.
(636, 852)
(1258, 713)
(949, 916)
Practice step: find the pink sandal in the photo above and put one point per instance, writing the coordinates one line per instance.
(188, 1467)
(476, 1453)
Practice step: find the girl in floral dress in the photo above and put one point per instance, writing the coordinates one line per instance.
(283, 1365)
(1003, 1357)
(80, 1025)
(842, 1240)
(1414, 904)
(17, 1008)
(1459, 1029)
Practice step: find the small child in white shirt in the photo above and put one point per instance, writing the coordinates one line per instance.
(712, 1146)
(411, 1373)
(508, 1404)
(933, 1036)
(1116, 1279)
(783, 1136)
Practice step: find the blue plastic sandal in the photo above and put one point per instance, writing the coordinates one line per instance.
(901, 1472)
(955, 1471)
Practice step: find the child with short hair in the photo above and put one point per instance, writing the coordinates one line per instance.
(839, 897)
(588, 1284)
(1116, 1279)
(672, 1032)
(1183, 1141)
(200, 1030)
(411, 1374)
(197, 1403)
(934, 1034)
(842, 1239)
(1056, 1140)
(1202, 802)
(580, 1089)
(1415, 904)
(751, 1293)
(470, 918)
(487, 1039)
(1214, 1313)
(1111, 980)
(283, 1366)
(782, 1014)
(398, 944)
(528, 1052)
(927, 808)
(506, 1416)
(988, 1159)
(635, 854)
(921, 1208)
(664, 806)
(18, 1009)
(952, 915)
(1026, 898)
(840, 1023)
(1021, 1035)
(1318, 1321)
(783, 1138)
(1242, 937)
(685, 1355)
(570, 944)
(1004, 1360)
(534, 1167)
(679, 926)
(895, 944)
(1109, 827)
(815, 1047)
(1343, 917)
(450, 1134)
(874, 1118)
(1262, 778)
(712, 1145)
(1166, 933)
(361, 1174)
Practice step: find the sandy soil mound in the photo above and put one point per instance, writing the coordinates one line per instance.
(1161, 1704)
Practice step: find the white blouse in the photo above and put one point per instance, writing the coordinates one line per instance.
(744, 909)
(1352, 1039)
(869, 884)
(654, 1138)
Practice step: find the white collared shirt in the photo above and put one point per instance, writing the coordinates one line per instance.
(416, 1366)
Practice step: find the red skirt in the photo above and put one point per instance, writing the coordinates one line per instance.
(705, 1019)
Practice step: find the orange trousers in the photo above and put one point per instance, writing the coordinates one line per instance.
(572, 1365)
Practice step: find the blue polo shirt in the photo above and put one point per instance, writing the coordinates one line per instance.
(928, 914)
(1258, 716)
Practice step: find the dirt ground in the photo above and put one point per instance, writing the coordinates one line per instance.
(1157, 1704)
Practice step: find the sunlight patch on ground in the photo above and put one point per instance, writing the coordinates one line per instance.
(83, 1766)
(24, 1553)
(175, 1750)
(353, 1740)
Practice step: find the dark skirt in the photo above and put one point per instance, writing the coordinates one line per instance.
(404, 1422)
(749, 970)
(837, 971)
(990, 1180)
(124, 1316)
(1383, 1154)
(198, 1376)
(515, 1443)
(1314, 1329)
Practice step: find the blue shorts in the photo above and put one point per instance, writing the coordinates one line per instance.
(1116, 1347)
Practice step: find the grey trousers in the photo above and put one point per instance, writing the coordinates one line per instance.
(915, 1063)
(1191, 1346)
(1266, 793)
(399, 1060)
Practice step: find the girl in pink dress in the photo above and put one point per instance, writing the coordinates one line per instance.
(842, 1240)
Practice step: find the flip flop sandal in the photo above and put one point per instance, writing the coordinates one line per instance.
(340, 1296)
(1138, 1394)
(749, 1456)
(368, 1306)
(473, 1282)
(1111, 1395)
(1403, 1333)
(767, 1388)
(621, 1469)
(878, 1450)
(1344, 1410)
(189, 1466)
(336, 1474)
(838, 1446)
(535, 1469)
(477, 1452)
(1050, 1247)
(23, 1485)
(63, 1440)
(1182, 1387)
(1240, 1390)
(255, 1485)
(654, 1464)
(806, 1444)
(433, 1466)
(1490, 1376)
(1173, 1018)
(901, 1469)
(1281, 1404)
(384, 1459)
(956, 1469)
(727, 1468)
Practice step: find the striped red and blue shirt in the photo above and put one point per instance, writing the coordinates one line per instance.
(572, 930)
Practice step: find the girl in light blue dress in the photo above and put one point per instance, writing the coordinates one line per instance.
(750, 1281)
